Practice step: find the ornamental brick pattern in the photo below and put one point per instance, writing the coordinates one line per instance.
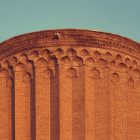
(69, 85)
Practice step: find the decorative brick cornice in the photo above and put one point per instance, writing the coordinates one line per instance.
(69, 37)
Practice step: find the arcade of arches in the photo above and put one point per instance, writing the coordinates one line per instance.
(69, 85)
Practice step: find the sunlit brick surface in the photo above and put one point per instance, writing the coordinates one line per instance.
(69, 85)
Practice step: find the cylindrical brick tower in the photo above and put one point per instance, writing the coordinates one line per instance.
(69, 85)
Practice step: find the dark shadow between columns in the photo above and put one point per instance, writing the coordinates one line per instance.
(54, 106)
(13, 109)
(12, 103)
(32, 105)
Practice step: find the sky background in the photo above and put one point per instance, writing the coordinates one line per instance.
(116, 16)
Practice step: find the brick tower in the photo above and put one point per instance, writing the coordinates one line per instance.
(69, 85)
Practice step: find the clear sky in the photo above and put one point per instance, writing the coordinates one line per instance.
(115, 16)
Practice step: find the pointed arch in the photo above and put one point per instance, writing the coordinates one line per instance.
(71, 72)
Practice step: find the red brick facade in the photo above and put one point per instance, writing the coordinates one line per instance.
(69, 85)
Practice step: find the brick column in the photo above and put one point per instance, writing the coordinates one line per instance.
(22, 104)
(5, 106)
(118, 95)
(65, 84)
(42, 91)
(89, 105)
(101, 104)
(133, 122)
(78, 106)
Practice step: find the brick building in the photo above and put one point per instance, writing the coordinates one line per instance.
(69, 85)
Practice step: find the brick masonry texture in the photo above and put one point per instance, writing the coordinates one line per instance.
(69, 84)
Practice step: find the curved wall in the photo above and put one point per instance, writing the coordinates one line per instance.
(69, 85)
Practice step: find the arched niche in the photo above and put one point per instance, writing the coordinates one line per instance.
(48, 73)
(71, 73)
(26, 77)
(115, 77)
(90, 62)
(13, 61)
(77, 61)
(4, 73)
(20, 67)
(46, 53)
(102, 63)
(108, 56)
(96, 55)
(84, 52)
(130, 83)
(65, 60)
(53, 61)
(23, 58)
(118, 58)
(122, 67)
(136, 73)
(95, 74)
(127, 61)
(41, 63)
(59, 52)
(34, 54)
(71, 52)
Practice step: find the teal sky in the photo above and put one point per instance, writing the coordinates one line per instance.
(116, 16)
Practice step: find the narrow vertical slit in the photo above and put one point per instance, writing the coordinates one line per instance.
(12, 104)
(54, 106)
(84, 98)
(109, 106)
(32, 104)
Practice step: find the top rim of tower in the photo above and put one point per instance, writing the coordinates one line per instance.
(76, 30)
(69, 37)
